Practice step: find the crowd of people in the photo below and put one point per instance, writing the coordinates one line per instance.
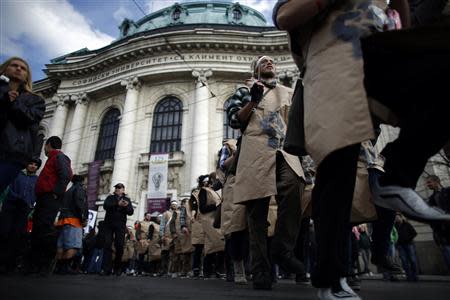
(300, 193)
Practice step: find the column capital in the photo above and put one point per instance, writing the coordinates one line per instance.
(202, 74)
(61, 99)
(80, 98)
(131, 83)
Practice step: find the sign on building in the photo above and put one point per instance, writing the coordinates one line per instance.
(157, 177)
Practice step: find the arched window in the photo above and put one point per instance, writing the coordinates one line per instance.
(166, 129)
(228, 132)
(107, 138)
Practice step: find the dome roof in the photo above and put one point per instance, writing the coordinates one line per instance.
(201, 12)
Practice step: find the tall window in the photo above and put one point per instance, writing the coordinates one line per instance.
(228, 132)
(107, 138)
(166, 129)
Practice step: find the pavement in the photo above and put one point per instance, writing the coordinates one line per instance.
(95, 287)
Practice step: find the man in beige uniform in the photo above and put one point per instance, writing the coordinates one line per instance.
(265, 170)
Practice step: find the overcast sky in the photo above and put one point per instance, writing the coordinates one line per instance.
(39, 30)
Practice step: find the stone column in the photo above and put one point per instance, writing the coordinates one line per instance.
(125, 137)
(75, 134)
(60, 115)
(200, 111)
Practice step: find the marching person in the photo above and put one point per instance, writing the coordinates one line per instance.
(336, 116)
(214, 259)
(260, 111)
(233, 217)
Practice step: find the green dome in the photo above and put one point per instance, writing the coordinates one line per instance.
(215, 12)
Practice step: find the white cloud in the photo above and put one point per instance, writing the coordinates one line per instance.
(263, 6)
(53, 26)
(121, 13)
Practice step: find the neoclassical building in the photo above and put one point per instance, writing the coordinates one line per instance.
(161, 87)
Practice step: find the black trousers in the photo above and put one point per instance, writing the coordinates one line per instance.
(116, 233)
(332, 199)
(44, 234)
(214, 263)
(13, 230)
(289, 190)
(197, 258)
(238, 245)
(381, 234)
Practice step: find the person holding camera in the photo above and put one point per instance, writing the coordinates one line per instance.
(118, 207)
(20, 113)
(260, 111)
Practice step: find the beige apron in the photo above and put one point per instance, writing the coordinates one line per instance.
(154, 248)
(142, 244)
(262, 139)
(336, 110)
(197, 233)
(166, 239)
(233, 216)
(214, 239)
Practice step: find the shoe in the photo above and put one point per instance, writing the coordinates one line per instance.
(351, 284)
(239, 272)
(328, 294)
(406, 201)
(385, 264)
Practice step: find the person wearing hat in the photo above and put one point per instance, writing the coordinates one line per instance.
(19, 202)
(260, 110)
(196, 232)
(167, 233)
(118, 207)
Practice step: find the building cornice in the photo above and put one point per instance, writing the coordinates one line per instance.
(195, 39)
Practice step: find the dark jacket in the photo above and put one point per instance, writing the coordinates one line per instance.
(19, 125)
(406, 233)
(115, 214)
(55, 175)
(441, 230)
(75, 203)
(22, 189)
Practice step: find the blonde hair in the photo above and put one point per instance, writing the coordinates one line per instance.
(28, 84)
